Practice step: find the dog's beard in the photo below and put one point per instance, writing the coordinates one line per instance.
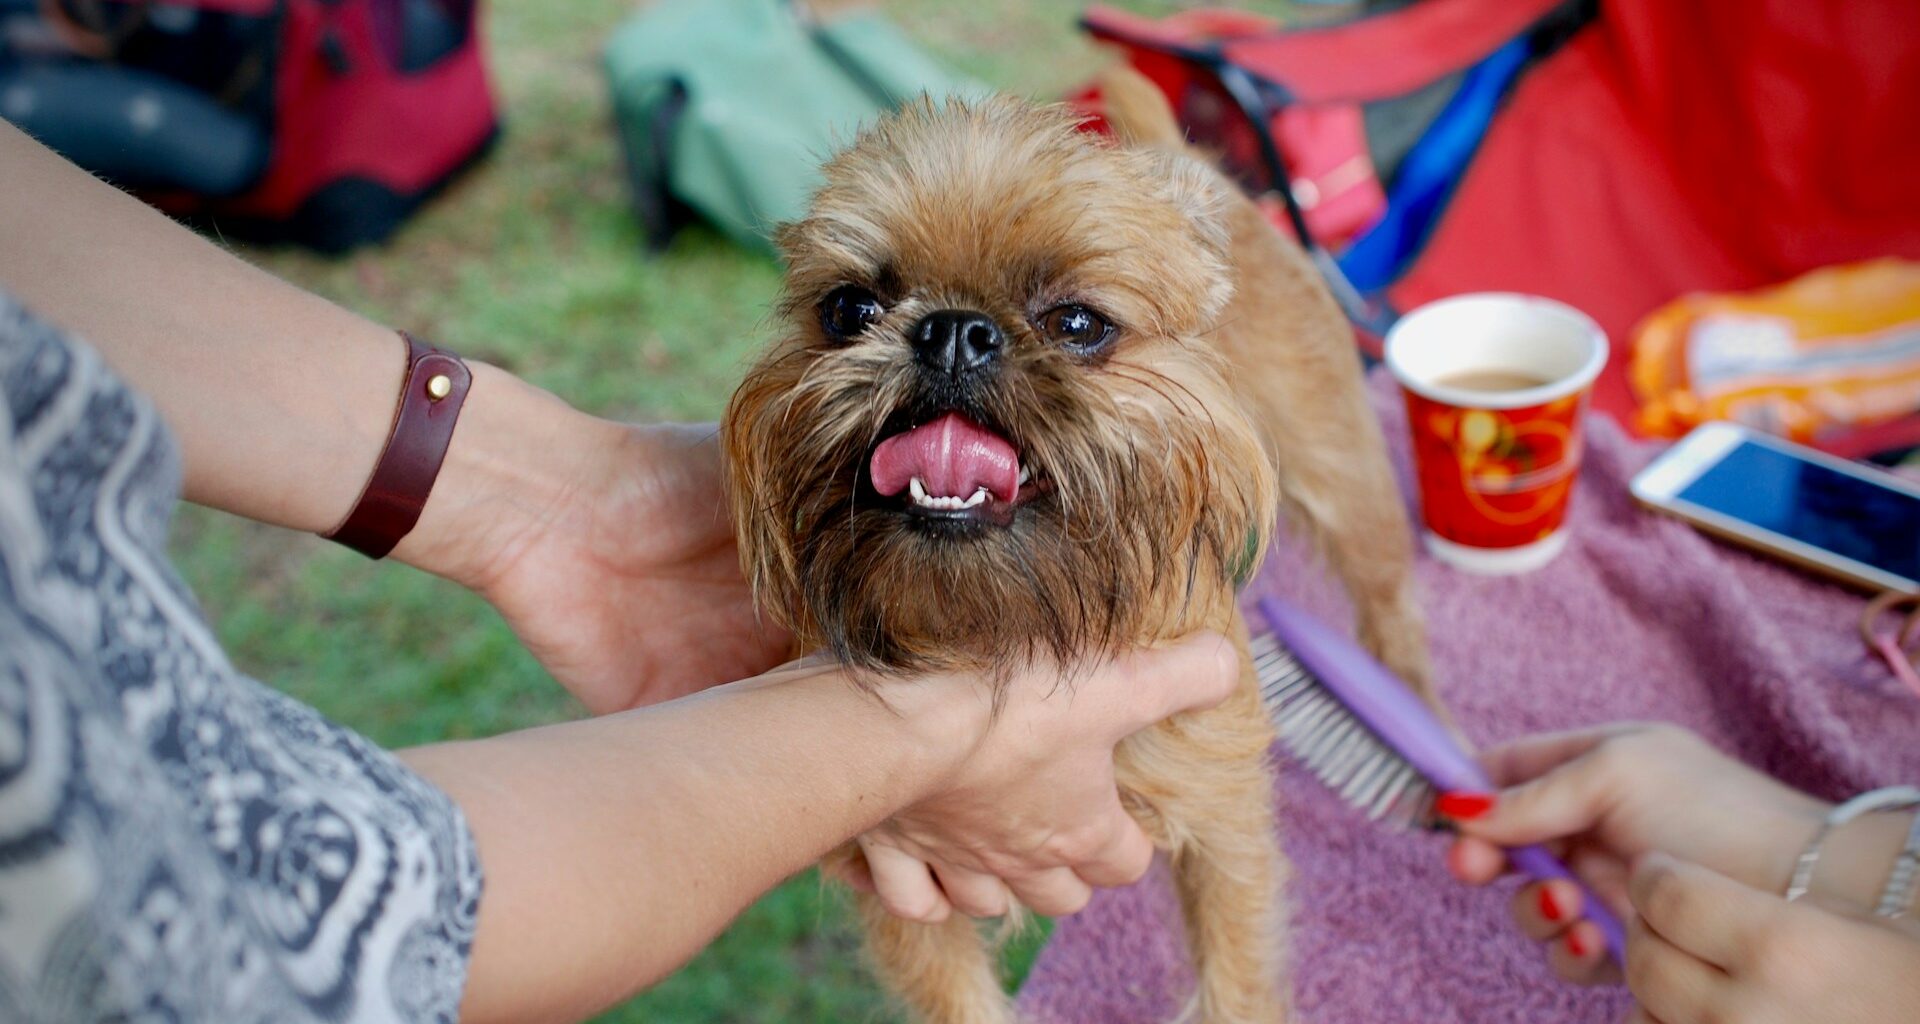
(1131, 497)
(1142, 480)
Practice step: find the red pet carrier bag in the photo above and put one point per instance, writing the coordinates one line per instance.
(362, 109)
(1650, 148)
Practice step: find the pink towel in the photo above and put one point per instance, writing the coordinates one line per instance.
(1641, 618)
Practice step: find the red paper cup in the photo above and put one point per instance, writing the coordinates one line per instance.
(1496, 384)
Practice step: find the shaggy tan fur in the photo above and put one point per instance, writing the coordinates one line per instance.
(1230, 395)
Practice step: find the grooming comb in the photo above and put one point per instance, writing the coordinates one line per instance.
(1362, 732)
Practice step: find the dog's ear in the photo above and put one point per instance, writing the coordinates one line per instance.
(1143, 120)
(786, 240)
(1198, 192)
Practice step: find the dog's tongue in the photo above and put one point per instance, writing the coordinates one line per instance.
(953, 457)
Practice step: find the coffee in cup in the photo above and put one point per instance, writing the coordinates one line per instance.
(1495, 385)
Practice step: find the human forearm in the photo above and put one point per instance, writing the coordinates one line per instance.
(281, 400)
(226, 350)
(615, 848)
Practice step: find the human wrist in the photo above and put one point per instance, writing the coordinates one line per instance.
(1779, 838)
(949, 726)
(942, 718)
(919, 732)
(1856, 857)
(517, 455)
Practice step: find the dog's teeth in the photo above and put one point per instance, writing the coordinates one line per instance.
(945, 501)
(1025, 475)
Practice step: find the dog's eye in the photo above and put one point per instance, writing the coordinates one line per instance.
(847, 310)
(1076, 327)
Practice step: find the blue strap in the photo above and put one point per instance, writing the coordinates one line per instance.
(1430, 170)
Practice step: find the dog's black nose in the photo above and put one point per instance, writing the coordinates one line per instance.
(955, 341)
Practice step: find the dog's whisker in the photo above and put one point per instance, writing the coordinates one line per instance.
(1217, 328)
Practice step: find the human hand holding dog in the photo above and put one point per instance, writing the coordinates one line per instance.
(1691, 847)
(632, 593)
(1037, 817)
(606, 546)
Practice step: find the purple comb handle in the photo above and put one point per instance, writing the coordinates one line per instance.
(1384, 704)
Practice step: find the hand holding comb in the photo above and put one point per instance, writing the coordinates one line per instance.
(1362, 732)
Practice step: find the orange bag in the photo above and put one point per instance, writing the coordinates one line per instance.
(1830, 358)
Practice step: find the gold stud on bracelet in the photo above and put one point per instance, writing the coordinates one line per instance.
(439, 386)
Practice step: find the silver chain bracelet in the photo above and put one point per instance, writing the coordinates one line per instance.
(1898, 894)
(1897, 897)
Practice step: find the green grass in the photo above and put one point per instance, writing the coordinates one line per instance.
(532, 262)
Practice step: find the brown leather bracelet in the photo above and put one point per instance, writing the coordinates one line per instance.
(436, 385)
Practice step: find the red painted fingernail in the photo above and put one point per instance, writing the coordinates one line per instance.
(1463, 806)
(1549, 907)
(1575, 944)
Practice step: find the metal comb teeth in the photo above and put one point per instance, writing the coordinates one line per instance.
(1334, 745)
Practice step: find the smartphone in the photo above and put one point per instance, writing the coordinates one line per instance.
(1840, 518)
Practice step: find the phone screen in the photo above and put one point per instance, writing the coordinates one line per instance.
(1815, 505)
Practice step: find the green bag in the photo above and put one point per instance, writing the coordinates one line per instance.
(726, 108)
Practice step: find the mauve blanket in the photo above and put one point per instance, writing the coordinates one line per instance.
(1640, 618)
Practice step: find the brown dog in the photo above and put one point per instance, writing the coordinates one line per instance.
(1044, 395)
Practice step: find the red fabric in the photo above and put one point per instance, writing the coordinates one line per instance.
(1391, 55)
(1333, 176)
(1345, 62)
(1669, 147)
(1325, 144)
(251, 8)
(371, 122)
(1182, 30)
(406, 131)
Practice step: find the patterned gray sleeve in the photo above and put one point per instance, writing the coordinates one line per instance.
(178, 842)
